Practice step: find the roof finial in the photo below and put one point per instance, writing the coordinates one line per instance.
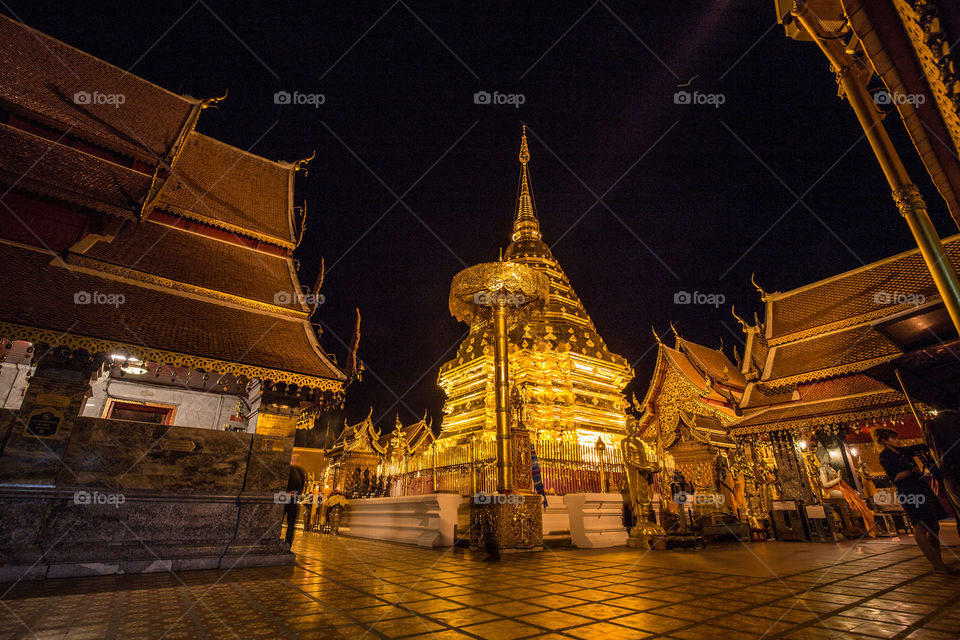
(743, 323)
(524, 150)
(753, 281)
(301, 165)
(525, 225)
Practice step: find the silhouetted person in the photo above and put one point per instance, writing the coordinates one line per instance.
(914, 495)
(295, 482)
(942, 433)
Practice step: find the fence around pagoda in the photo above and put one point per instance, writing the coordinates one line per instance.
(565, 467)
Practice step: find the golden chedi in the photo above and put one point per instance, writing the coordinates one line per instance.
(571, 383)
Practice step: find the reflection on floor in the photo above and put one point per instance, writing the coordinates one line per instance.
(350, 588)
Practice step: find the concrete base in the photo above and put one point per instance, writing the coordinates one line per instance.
(596, 519)
(510, 523)
(426, 521)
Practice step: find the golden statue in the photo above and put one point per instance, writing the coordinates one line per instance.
(639, 465)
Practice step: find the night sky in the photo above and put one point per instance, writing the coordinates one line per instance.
(695, 197)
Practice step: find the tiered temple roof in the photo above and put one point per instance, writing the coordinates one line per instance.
(415, 438)
(121, 196)
(361, 437)
(572, 382)
(804, 362)
(694, 389)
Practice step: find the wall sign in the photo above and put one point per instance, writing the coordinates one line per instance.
(43, 423)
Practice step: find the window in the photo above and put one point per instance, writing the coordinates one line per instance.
(154, 413)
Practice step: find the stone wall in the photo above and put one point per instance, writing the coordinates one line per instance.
(138, 497)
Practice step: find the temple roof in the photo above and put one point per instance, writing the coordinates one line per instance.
(866, 293)
(361, 437)
(707, 397)
(229, 188)
(416, 436)
(827, 411)
(41, 76)
(111, 191)
(153, 322)
(221, 264)
(707, 430)
(41, 166)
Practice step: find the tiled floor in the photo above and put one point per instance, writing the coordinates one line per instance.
(349, 588)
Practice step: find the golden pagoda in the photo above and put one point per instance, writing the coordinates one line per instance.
(571, 384)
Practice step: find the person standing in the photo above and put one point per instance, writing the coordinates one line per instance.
(295, 481)
(942, 433)
(915, 496)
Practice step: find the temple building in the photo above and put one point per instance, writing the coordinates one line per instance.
(808, 364)
(358, 446)
(571, 383)
(157, 345)
(690, 403)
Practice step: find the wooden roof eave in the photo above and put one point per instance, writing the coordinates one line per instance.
(889, 50)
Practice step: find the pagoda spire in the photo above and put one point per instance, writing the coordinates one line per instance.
(525, 224)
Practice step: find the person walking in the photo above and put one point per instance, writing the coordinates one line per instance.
(914, 495)
(295, 481)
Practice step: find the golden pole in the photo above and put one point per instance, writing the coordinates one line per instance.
(473, 465)
(913, 409)
(906, 195)
(502, 395)
(434, 474)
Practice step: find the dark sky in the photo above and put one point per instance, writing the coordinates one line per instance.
(694, 197)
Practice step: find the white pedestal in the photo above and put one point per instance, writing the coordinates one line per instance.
(426, 521)
(596, 519)
(556, 518)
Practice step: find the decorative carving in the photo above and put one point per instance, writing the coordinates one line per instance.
(168, 358)
(908, 199)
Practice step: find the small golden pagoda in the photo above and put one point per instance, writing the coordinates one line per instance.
(572, 385)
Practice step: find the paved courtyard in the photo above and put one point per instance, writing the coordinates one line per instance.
(350, 588)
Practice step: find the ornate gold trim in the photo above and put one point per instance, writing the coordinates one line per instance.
(844, 323)
(778, 384)
(146, 354)
(176, 285)
(226, 226)
(819, 421)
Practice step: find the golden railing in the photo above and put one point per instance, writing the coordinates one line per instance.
(565, 467)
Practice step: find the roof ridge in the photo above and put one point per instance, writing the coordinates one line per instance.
(779, 296)
(126, 72)
(287, 166)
